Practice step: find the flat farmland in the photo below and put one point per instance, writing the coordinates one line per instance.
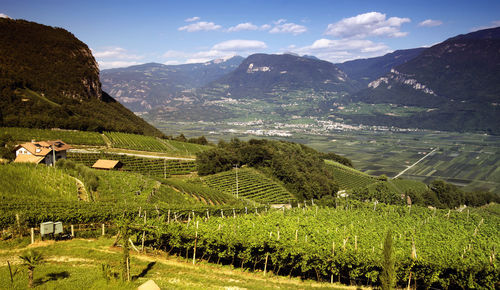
(469, 160)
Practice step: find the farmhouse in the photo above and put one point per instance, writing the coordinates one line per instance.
(44, 152)
(107, 164)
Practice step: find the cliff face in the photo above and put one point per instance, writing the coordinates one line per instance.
(48, 59)
(49, 78)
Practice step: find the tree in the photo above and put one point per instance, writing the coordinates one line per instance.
(31, 259)
(388, 277)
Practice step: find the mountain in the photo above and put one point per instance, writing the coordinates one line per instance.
(367, 70)
(262, 75)
(143, 87)
(49, 78)
(456, 83)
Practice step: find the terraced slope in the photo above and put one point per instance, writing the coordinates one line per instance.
(252, 185)
(147, 166)
(349, 178)
(149, 143)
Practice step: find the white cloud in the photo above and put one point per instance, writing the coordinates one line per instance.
(192, 19)
(200, 26)
(4, 15)
(239, 45)
(243, 26)
(115, 52)
(225, 49)
(340, 50)
(430, 23)
(367, 24)
(492, 24)
(172, 62)
(115, 64)
(265, 27)
(281, 26)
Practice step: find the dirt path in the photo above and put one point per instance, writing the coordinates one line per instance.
(82, 192)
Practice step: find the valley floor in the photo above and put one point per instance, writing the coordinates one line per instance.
(76, 264)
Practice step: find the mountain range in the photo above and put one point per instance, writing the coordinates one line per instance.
(453, 85)
(143, 87)
(457, 82)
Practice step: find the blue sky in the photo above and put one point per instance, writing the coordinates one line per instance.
(123, 33)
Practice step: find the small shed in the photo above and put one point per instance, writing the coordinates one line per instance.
(107, 164)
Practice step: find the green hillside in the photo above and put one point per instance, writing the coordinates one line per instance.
(252, 185)
(348, 177)
(49, 79)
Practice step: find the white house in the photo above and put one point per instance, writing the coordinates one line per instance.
(41, 152)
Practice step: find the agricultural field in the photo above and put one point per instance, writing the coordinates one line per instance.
(153, 144)
(432, 248)
(203, 193)
(158, 167)
(69, 136)
(25, 183)
(347, 177)
(252, 185)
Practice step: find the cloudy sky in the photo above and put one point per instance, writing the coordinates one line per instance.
(123, 33)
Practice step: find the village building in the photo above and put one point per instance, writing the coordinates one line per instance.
(42, 152)
(107, 164)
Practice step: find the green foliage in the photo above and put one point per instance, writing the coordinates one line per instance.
(452, 247)
(300, 168)
(154, 167)
(388, 275)
(7, 145)
(68, 136)
(31, 259)
(347, 177)
(252, 185)
(27, 183)
(149, 143)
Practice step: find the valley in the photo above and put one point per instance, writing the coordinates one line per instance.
(466, 159)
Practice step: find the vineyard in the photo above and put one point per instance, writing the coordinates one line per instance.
(158, 167)
(202, 192)
(148, 143)
(26, 183)
(68, 136)
(432, 248)
(348, 177)
(252, 185)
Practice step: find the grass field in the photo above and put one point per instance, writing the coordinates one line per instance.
(76, 264)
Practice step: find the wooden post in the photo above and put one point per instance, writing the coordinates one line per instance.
(208, 214)
(195, 241)
(234, 213)
(168, 217)
(143, 236)
(278, 235)
(32, 235)
(333, 248)
(222, 213)
(128, 269)
(296, 234)
(72, 231)
(265, 265)
(103, 230)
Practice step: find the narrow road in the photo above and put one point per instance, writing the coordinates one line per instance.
(409, 167)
